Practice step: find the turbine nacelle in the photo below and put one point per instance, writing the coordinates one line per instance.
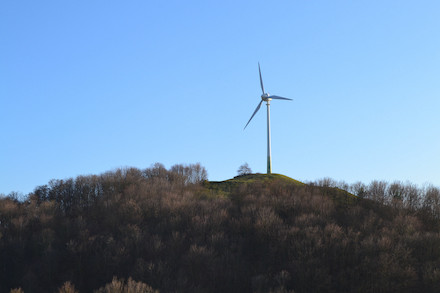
(265, 97)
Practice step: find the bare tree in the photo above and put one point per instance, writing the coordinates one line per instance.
(396, 192)
(67, 288)
(431, 201)
(189, 174)
(359, 189)
(244, 170)
(326, 182)
(377, 191)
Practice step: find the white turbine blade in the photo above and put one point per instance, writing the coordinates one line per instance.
(279, 98)
(261, 79)
(255, 112)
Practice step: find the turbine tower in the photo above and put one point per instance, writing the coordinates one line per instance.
(266, 98)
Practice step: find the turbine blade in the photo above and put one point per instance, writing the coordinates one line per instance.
(261, 79)
(255, 112)
(279, 98)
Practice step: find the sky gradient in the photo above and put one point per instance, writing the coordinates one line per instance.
(90, 86)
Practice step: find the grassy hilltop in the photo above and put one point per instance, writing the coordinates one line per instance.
(262, 181)
(257, 177)
(170, 230)
(249, 179)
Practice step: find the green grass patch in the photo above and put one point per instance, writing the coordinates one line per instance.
(229, 185)
(342, 198)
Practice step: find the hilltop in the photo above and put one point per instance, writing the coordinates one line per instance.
(228, 187)
(257, 178)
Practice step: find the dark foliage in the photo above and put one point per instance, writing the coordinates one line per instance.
(162, 228)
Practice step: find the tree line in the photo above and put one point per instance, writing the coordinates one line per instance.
(158, 229)
(424, 200)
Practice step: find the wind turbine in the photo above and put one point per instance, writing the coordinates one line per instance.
(265, 97)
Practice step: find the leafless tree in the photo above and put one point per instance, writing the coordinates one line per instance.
(244, 170)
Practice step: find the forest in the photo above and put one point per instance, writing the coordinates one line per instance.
(168, 230)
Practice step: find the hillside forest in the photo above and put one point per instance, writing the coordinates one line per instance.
(171, 230)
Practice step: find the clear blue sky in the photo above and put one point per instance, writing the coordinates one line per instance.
(90, 86)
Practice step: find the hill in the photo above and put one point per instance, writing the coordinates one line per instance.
(173, 231)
